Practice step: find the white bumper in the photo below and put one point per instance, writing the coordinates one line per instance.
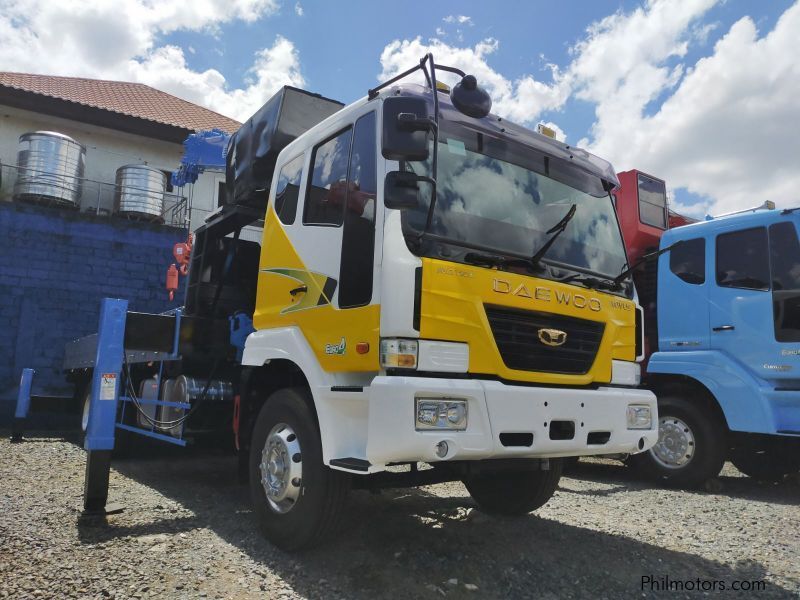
(495, 408)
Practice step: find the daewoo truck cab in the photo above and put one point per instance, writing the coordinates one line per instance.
(432, 289)
(724, 358)
(434, 299)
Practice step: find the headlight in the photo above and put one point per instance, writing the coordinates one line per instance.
(399, 354)
(434, 413)
(639, 417)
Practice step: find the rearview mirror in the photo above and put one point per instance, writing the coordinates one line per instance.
(405, 190)
(406, 125)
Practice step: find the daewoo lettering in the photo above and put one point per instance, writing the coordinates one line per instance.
(503, 286)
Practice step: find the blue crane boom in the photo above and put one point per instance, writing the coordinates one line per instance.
(202, 151)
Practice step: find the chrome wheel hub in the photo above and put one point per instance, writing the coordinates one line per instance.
(281, 468)
(675, 447)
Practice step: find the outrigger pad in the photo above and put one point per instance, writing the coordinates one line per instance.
(16, 430)
(109, 509)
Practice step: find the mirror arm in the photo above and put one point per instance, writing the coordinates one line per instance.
(451, 70)
(435, 159)
(372, 93)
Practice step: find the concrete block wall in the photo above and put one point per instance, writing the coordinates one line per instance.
(55, 267)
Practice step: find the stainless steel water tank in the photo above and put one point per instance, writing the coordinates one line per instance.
(51, 168)
(140, 192)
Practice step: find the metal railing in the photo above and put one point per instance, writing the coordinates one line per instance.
(97, 197)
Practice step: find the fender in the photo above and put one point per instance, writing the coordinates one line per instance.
(742, 397)
(341, 400)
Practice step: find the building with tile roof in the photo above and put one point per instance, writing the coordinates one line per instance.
(119, 123)
(132, 107)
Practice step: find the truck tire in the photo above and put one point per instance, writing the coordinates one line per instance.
(514, 493)
(296, 498)
(691, 446)
(764, 465)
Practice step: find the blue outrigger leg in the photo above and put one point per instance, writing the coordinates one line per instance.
(106, 378)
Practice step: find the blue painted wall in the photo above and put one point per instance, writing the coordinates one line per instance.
(55, 267)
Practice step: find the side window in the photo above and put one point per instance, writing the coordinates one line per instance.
(652, 202)
(358, 239)
(688, 261)
(288, 190)
(742, 259)
(328, 187)
(784, 250)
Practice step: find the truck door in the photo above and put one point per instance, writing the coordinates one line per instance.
(327, 290)
(784, 250)
(740, 303)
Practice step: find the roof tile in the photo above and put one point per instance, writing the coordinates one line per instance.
(132, 99)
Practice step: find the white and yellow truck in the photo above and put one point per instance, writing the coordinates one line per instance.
(437, 297)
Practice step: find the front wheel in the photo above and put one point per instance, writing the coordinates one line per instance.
(514, 492)
(691, 444)
(296, 498)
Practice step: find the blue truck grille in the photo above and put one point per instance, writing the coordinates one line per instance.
(516, 333)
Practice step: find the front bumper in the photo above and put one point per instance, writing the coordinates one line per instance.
(495, 408)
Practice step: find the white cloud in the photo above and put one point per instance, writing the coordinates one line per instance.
(726, 128)
(298, 9)
(520, 100)
(96, 38)
(460, 19)
(166, 69)
(728, 131)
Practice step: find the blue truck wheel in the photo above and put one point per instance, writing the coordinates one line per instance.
(691, 445)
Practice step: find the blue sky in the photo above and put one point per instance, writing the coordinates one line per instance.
(340, 47)
(702, 93)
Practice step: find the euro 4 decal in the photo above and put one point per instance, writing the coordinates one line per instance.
(336, 349)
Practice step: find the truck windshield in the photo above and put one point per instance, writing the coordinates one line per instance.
(502, 197)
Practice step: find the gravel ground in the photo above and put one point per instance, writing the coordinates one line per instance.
(188, 532)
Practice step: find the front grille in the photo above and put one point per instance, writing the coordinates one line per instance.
(516, 333)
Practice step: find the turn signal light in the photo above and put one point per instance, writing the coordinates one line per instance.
(399, 354)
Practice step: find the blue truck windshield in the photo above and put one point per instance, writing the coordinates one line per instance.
(505, 197)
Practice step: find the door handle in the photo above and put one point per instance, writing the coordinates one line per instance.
(299, 290)
(724, 328)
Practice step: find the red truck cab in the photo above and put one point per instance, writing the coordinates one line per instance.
(644, 215)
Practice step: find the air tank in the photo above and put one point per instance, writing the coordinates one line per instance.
(139, 192)
(51, 168)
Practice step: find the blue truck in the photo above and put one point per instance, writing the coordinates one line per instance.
(721, 308)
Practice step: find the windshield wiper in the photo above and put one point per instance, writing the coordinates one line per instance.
(556, 230)
(501, 262)
(595, 283)
(615, 283)
(647, 257)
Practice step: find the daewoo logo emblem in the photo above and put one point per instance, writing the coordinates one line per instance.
(552, 337)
